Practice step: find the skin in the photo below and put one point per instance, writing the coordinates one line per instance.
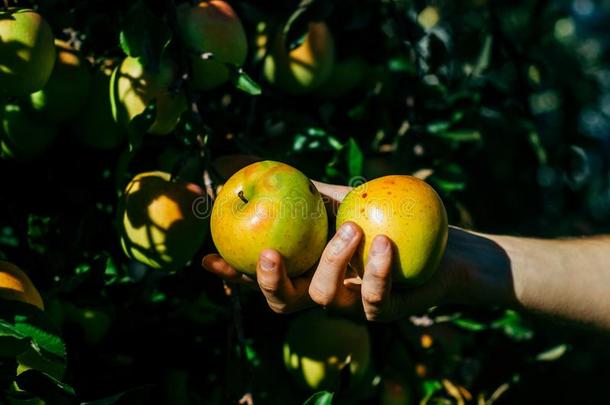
(564, 279)
(66, 91)
(317, 347)
(409, 212)
(159, 221)
(282, 209)
(27, 53)
(132, 89)
(16, 285)
(304, 68)
(212, 27)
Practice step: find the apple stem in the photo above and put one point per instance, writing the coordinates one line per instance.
(242, 197)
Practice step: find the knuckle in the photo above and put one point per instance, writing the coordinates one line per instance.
(332, 260)
(269, 287)
(373, 298)
(280, 308)
(320, 296)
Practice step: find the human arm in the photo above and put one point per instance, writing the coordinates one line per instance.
(562, 278)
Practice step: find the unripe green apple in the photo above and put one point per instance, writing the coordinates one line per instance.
(132, 89)
(95, 125)
(162, 223)
(66, 90)
(318, 346)
(269, 205)
(304, 68)
(24, 136)
(212, 26)
(410, 213)
(27, 53)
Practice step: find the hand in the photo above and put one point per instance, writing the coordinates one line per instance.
(334, 285)
(373, 295)
(283, 294)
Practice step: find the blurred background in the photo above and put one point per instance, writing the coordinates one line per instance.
(503, 106)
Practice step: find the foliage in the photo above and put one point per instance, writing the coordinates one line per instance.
(504, 106)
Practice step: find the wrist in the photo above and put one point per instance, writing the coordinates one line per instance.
(480, 269)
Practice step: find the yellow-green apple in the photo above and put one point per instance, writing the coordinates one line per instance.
(212, 27)
(64, 94)
(162, 222)
(132, 89)
(24, 135)
(95, 125)
(269, 205)
(27, 53)
(16, 285)
(304, 68)
(318, 347)
(410, 213)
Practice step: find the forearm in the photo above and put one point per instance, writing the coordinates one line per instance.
(569, 279)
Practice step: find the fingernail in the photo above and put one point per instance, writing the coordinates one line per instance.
(205, 262)
(266, 264)
(347, 232)
(379, 246)
(345, 235)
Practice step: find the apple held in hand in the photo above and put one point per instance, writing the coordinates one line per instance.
(269, 205)
(410, 213)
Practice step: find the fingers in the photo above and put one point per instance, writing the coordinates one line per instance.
(377, 280)
(327, 282)
(282, 295)
(331, 194)
(217, 265)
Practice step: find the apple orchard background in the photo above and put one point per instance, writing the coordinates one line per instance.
(505, 106)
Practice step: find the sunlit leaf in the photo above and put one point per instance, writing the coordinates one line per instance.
(320, 398)
(552, 354)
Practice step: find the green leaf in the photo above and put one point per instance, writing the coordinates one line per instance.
(144, 35)
(513, 326)
(484, 57)
(438, 127)
(245, 83)
(29, 336)
(139, 125)
(469, 324)
(554, 353)
(462, 135)
(320, 398)
(46, 387)
(429, 388)
(24, 321)
(355, 158)
(402, 64)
